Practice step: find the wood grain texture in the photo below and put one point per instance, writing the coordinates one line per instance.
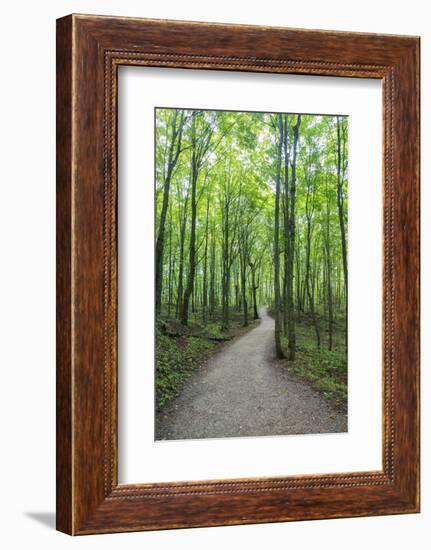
(90, 49)
(64, 496)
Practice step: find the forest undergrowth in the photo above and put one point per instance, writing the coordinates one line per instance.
(181, 350)
(326, 369)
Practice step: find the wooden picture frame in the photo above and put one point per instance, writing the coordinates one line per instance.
(89, 52)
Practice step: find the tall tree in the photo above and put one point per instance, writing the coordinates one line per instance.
(291, 320)
(286, 218)
(277, 298)
(231, 194)
(309, 214)
(340, 199)
(204, 282)
(200, 143)
(329, 269)
(212, 291)
(254, 264)
(176, 125)
(183, 221)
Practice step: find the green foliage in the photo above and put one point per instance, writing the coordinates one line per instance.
(176, 359)
(179, 354)
(327, 370)
(235, 193)
(220, 258)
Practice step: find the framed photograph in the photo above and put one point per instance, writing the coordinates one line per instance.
(237, 274)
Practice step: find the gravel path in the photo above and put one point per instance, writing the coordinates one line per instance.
(244, 391)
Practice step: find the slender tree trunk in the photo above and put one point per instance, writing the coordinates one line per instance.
(310, 294)
(243, 264)
(204, 282)
(226, 253)
(225, 270)
(170, 263)
(199, 145)
(328, 271)
(174, 152)
(340, 203)
(277, 298)
(181, 262)
(254, 288)
(309, 210)
(237, 294)
(192, 250)
(287, 240)
(299, 305)
(192, 257)
(212, 298)
(291, 320)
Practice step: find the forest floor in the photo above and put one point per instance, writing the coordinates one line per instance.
(242, 390)
(181, 350)
(325, 369)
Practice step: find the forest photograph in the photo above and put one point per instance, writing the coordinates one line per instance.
(251, 273)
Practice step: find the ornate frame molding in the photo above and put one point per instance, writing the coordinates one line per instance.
(90, 49)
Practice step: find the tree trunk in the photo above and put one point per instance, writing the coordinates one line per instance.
(277, 299)
(328, 271)
(254, 288)
(310, 294)
(204, 282)
(170, 264)
(291, 320)
(299, 305)
(340, 203)
(174, 152)
(244, 287)
(192, 250)
(200, 145)
(212, 298)
(287, 242)
(309, 210)
(181, 265)
(225, 269)
(237, 296)
(192, 257)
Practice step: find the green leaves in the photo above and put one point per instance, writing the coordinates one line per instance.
(218, 222)
(176, 358)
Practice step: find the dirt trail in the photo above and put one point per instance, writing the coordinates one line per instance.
(244, 391)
